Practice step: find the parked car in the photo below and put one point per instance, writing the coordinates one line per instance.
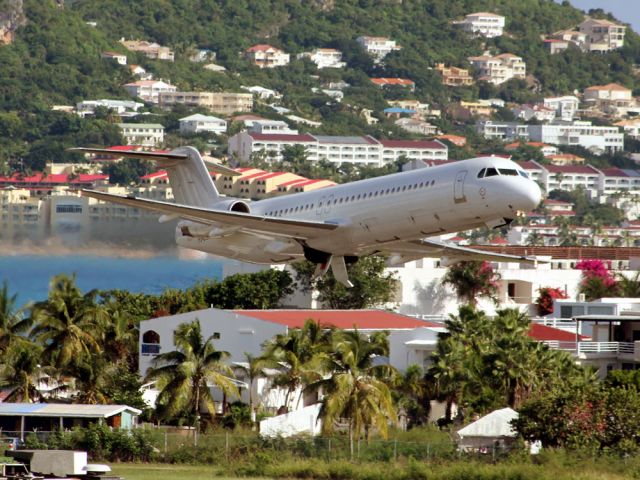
(10, 443)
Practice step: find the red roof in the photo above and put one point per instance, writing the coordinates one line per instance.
(262, 47)
(543, 333)
(158, 174)
(345, 319)
(412, 144)
(311, 182)
(273, 174)
(587, 169)
(282, 137)
(293, 182)
(529, 165)
(405, 82)
(551, 201)
(614, 172)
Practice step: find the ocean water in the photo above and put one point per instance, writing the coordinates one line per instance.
(29, 275)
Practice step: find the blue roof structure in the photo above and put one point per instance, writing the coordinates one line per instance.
(399, 110)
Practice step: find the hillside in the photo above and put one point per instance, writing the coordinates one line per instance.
(55, 59)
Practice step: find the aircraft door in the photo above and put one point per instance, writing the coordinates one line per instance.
(458, 187)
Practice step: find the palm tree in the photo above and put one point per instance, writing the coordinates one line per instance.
(535, 239)
(12, 321)
(298, 351)
(472, 279)
(68, 324)
(91, 379)
(21, 372)
(628, 287)
(253, 369)
(185, 376)
(356, 389)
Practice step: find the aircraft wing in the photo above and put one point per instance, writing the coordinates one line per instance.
(415, 249)
(282, 227)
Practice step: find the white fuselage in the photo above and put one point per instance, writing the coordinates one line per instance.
(375, 213)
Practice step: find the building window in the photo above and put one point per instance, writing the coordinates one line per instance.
(150, 343)
(68, 208)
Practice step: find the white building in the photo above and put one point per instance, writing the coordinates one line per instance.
(262, 92)
(119, 58)
(335, 149)
(145, 134)
(540, 112)
(266, 56)
(565, 107)
(149, 90)
(598, 139)
(630, 127)
(378, 47)
(272, 126)
(325, 58)
(124, 108)
(416, 126)
(499, 69)
(505, 131)
(602, 35)
(483, 24)
(245, 331)
(198, 123)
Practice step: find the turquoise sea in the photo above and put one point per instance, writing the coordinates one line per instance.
(29, 275)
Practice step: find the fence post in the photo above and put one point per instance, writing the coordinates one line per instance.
(329, 456)
(395, 450)
(358, 449)
(428, 451)
(165, 443)
(226, 445)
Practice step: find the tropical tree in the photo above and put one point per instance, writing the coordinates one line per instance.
(356, 390)
(471, 280)
(254, 368)
(20, 372)
(185, 376)
(12, 321)
(298, 351)
(372, 284)
(411, 395)
(68, 324)
(628, 286)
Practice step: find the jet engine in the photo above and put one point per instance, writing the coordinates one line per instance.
(188, 228)
(233, 205)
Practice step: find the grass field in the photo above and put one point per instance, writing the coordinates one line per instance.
(158, 471)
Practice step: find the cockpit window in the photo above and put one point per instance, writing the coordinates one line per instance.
(491, 172)
(508, 171)
(523, 173)
(481, 173)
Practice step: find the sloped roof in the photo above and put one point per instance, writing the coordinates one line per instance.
(431, 144)
(282, 137)
(495, 424)
(63, 410)
(345, 319)
(543, 333)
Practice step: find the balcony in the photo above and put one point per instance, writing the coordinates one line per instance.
(595, 348)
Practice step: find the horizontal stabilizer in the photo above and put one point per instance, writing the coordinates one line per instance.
(162, 158)
(277, 227)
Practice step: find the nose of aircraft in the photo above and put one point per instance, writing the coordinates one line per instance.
(531, 196)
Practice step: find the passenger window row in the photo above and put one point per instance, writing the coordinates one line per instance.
(352, 198)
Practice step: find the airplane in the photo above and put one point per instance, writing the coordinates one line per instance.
(334, 226)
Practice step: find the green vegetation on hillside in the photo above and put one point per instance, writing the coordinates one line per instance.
(55, 60)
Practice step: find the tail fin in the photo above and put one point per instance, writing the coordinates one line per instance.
(188, 175)
(189, 179)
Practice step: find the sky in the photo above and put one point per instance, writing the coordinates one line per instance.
(627, 11)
